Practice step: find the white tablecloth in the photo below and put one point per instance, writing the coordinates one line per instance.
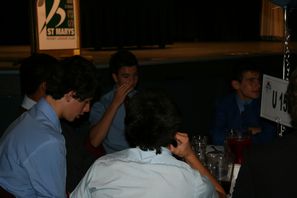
(233, 181)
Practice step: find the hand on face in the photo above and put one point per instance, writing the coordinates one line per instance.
(122, 91)
(183, 148)
(126, 79)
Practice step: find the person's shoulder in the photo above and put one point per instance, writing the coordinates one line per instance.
(106, 96)
(226, 100)
(288, 139)
(104, 99)
(108, 159)
(277, 146)
(256, 102)
(44, 134)
(230, 97)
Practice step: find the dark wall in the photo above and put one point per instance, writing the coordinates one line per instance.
(9, 97)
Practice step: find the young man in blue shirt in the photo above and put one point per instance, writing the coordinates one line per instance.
(107, 115)
(240, 110)
(270, 170)
(32, 150)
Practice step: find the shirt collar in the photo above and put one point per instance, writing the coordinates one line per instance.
(49, 112)
(164, 150)
(28, 103)
(241, 103)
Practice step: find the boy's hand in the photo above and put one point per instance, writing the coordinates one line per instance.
(122, 92)
(255, 130)
(183, 148)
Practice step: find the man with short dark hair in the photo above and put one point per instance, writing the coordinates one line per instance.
(240, 110)
(107, 115)
(150, 169)
(32, 150)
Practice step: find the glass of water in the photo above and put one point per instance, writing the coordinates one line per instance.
(199, 143)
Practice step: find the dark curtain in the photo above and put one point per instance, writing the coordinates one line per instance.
(125, 23)
(292, 23)
(231, 20)
(15, 23)
(154, 22)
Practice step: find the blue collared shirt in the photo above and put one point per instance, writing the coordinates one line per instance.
(33, 155)
(242, 103)
(136, 173)
(232, 113)
(115, 139)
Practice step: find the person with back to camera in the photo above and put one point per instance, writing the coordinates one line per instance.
(149, 169)
(33, 72)
(241, 109)
(32, 149)
(107, 115)
(270, 170)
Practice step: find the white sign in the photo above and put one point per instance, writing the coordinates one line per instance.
(274, 104)
(57, 24)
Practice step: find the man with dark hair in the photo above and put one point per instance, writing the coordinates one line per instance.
(240, 110)
(32, 149)
(150, 169)
(107, 115)
(270, 170)
(34, 70)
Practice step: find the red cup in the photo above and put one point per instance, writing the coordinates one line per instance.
(237, 142)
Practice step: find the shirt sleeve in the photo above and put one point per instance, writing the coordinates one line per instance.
(268, 128)
(46, 168)
(268, 132)
(206, 189)
(97, 111)
(82, 189)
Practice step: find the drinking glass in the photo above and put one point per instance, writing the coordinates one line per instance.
(199, 143)
(221, 167)
(237, 140)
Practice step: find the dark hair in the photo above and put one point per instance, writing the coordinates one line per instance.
(152, 120)
(73, 74)
(34, 70)
(241, 68)
(120, 59)
(292, 98)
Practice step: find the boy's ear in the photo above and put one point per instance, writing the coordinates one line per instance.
(235, 84)
(43, 85)
(114, 77)
(69, 95)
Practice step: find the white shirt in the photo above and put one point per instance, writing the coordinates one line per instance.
(133, 173)
(28, 102)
